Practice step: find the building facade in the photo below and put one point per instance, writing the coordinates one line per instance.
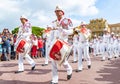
(97, 26)
(115, 28)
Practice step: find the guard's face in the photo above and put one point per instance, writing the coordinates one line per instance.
(83, 26)
(58, 13)
(105, 32)
(22, 20)
(49, 28)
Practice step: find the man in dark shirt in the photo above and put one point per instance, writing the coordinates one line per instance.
(6, 47)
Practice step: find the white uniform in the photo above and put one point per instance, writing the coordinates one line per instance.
(101, 47)
(115, 48)
(111, 47)
(75, 47)
(48, 36)
(24, 33)
(119, 45)
(62, 33)
(105, 45)
(95, 46)
(83, 51)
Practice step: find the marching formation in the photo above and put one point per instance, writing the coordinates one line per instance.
(108, 44)
(58, 47)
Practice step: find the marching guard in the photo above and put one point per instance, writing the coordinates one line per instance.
(23, 44)
(75, 46)
(106, 38)
(83, 47)
(59, 52)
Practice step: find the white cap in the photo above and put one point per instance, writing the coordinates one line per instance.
(112, 33)
(49, 26)
(117, 35)
(95, 35)
(105, 29)
(23, 16)
(57, 8)
(83, 23)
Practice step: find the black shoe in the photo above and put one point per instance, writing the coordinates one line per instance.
(69, 77)
(44, 64)
(33, 67)
(74, 62)
(53, 83)
(18, 72)
(97, 55)
(89, 66)
(78, 70)
(83, 59)
(115, 57)
(8, 60)
(102, 60)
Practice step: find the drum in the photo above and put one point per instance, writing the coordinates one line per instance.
(20, 46)
(59, 51)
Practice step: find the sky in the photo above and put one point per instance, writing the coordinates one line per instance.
(41, 12)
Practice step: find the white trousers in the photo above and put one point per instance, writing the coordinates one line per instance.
(106, 50)
(47, 52)
(20, 61)
(119, 49)
(116, 52)
(75, 52)
(66, 65)
(83, 50)
(101, 47)
(102, 51)
(96, 49)
(111, 50)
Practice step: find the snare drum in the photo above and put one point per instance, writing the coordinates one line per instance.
(20, 46)
(59, 51)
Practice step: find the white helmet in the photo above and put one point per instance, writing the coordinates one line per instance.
(83, 23)
(117, 35)
(59, 9)
(95, 35)
(23, 17)
(49, 25)
(105, 29)
(112, 33)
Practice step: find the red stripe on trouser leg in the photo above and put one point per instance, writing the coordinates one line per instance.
(56, 49)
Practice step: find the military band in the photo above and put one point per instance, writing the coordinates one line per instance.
(58, 48)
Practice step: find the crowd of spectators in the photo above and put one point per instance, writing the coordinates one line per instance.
(7, 51)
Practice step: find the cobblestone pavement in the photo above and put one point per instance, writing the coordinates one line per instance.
(101, 72)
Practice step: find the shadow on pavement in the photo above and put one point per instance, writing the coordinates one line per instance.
(9, 65)
(111, 72)
(2, 72)
(21, 82)
(38, 71)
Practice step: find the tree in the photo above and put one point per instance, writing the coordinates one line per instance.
(35, 30)
(15, 31)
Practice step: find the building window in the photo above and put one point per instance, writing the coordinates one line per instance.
(118, 28)
(113, 29)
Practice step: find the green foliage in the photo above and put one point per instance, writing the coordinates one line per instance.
(35, 30)
(15, 31)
